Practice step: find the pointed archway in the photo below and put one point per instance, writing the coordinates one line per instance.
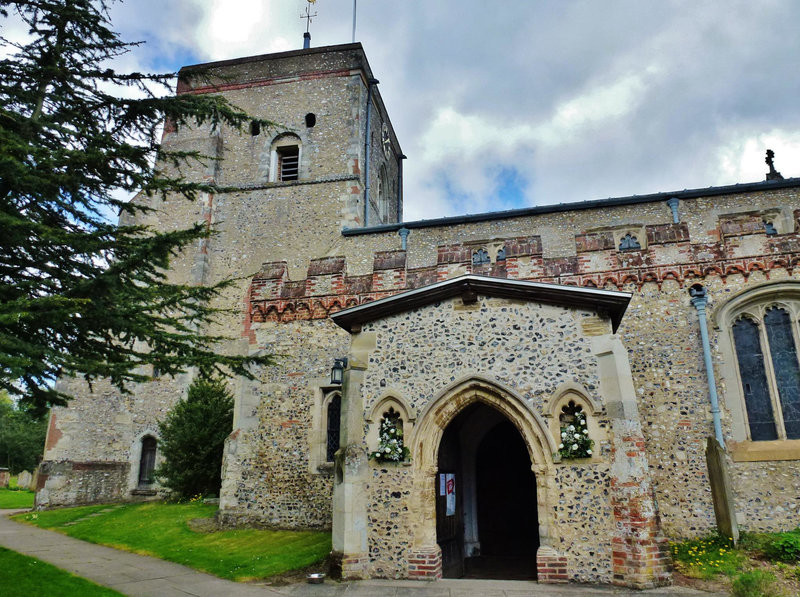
(486, 506)
(461, 433)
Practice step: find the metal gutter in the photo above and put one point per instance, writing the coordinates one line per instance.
(579, 205)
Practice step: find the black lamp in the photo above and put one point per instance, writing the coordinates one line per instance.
(337, 371)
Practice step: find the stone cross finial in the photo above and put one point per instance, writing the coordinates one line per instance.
(772, 174)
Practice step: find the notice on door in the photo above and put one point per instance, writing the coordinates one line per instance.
(450, 493)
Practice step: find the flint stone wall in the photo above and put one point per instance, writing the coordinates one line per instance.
(533, 349)
(720, 242)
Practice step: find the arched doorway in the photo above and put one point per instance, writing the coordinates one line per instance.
(486, 505)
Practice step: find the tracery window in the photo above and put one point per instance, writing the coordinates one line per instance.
(629, 243)
(765, 341)
(480, 257)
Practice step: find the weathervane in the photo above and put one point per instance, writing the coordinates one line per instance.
(308, 16)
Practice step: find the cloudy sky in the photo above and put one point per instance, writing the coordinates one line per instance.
(510, 104)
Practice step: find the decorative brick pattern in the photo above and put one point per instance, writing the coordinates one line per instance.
(389, 260)
(667, 233)
(551, 568)
(326, 265)
(425, 564)
(595, 241)
(354, 567)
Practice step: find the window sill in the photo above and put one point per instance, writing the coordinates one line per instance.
(144, 491)
(326, 469)
(578, 461)
(749, 451)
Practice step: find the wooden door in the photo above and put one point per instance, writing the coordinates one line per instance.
(450, 523)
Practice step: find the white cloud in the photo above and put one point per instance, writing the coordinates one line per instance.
(598, 106)
(234, 28)
(743, 158)
(579, 100)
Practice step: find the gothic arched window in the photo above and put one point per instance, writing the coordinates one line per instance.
(147, 460)
(766, 353)
(334, 415)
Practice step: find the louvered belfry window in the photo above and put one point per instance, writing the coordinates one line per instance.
(288, 162)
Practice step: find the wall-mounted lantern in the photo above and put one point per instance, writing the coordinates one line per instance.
(337, 371)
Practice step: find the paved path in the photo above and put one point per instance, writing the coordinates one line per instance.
(144, 576)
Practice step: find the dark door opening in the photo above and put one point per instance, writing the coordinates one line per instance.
(508, 518)
(490, 528)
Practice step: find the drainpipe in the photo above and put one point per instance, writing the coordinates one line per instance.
(699, 296)
(403, 232)
(400, 159)
(370, 84)
(673, 205)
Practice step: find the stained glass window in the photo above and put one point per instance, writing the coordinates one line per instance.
(754, 380)
(785, 367)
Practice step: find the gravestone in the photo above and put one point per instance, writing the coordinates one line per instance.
(4, 477)
(24, 480)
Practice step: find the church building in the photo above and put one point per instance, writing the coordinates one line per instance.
(549, 393)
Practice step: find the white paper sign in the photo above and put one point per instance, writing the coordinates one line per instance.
(441, 484)
(450, 489)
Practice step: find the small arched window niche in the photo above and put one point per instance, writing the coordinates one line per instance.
(574, 438)
(389, 427)
(383, 196)
(325, 429)
(575, 425)
(147, 461)
(285, 156)
(333, 418)
(759, 337)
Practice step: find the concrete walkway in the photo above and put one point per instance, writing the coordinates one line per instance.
(144, 576)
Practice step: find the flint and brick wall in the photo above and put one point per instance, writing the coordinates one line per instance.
(287, 238)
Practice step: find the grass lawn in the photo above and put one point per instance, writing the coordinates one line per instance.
(15, 498)
(162, 530)
(21, 575)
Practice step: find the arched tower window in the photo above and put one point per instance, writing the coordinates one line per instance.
(147, 460)
(285, 158)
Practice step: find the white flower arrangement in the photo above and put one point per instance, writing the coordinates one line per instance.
(390, 442)
(575, 442)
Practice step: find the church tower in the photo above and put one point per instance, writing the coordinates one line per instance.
(329, 160)
(320, 156)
